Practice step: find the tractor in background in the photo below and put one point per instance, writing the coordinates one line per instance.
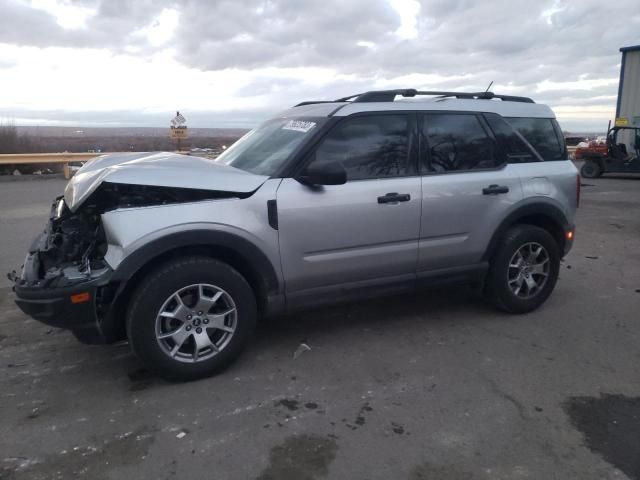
(619, 154)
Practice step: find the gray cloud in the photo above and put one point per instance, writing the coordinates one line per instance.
(512, 42)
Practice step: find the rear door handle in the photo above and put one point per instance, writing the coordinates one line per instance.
(495, 189)
(394, 198)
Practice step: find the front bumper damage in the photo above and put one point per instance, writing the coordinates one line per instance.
(74, 307)
(63, 283)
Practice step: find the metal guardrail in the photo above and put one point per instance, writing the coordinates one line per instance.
(27, 158)
(35, 158)
(65, 158)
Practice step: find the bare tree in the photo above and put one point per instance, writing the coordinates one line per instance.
(9, 141)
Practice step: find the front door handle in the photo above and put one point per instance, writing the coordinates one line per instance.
(394, 198)
(495, 189)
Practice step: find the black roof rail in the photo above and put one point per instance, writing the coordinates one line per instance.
(313, 102)
(390, 95)
(480, 96)
(380, 95)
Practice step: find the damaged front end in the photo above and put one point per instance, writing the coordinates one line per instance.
(65, 280)
(69, 251)
(63, 272)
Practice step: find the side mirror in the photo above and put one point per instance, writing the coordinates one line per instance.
(329, 173)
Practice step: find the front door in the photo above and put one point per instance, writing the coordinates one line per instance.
(364, 232)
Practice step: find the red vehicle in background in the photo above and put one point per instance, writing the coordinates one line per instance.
(598, 146)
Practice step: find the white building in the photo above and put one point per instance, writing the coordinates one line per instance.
(629, 90)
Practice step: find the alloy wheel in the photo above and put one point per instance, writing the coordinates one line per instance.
(528, 270)
(196, 323)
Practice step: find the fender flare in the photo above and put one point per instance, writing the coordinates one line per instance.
(209, 239)
(542, 208)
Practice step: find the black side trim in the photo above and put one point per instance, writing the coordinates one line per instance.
(348, 292)
(463, 273)
(551, 212)
(201, 238)
(272, 213)
(379, 287)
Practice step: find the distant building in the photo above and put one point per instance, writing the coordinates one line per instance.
(629, 89)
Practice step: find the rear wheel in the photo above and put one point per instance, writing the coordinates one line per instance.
(591, 169)
(524, 270)
(191, 318)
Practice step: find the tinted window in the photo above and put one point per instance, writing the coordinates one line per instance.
(374, 146)
(458, 142)
(541, 134)
(515, 147)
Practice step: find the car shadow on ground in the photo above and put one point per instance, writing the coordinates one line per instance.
(63, 358)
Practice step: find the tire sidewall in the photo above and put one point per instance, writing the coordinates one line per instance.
(595, 172)
(498, 285)
(159, 286)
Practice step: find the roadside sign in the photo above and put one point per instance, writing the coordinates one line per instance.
(178, 128)
(179, 133)
(622, 122)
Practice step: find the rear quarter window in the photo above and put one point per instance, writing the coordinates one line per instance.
(543, 134)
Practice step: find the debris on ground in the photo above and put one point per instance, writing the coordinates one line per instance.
(181, 434)
(303, 347)
(592, 257)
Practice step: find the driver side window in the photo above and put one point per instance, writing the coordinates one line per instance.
(368, 147)
(457, 142)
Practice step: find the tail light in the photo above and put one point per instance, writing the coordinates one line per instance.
(578, 182)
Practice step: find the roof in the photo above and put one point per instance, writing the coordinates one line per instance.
(506, 109)
(341, 109)
(632, 48)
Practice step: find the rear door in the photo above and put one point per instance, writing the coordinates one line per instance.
(362, 233)
(468, 188)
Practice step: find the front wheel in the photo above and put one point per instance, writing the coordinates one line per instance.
(590, 169)
(524, 269)
(190, 318)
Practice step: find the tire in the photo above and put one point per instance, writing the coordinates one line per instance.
(518, 247)
(591, 169)
(172, 344)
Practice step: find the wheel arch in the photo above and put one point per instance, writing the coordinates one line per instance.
(238, 252)
(540, 214)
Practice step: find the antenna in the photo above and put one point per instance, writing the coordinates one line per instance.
(489, 87)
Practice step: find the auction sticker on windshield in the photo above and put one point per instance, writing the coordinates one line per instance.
(298, 126)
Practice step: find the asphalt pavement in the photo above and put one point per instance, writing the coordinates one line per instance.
(432, 386)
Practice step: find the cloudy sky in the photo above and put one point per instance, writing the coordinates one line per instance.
(235, 62)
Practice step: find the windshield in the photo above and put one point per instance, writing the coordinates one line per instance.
(265, 149)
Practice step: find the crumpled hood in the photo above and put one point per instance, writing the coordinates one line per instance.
(162, 169)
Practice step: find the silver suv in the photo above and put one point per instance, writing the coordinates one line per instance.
(377, 193)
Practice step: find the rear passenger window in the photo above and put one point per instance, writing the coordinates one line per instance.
(515, 147)
(541, 134)
(458, 142)
(372, 146)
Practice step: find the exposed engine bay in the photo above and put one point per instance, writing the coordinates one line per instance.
(73, 245)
